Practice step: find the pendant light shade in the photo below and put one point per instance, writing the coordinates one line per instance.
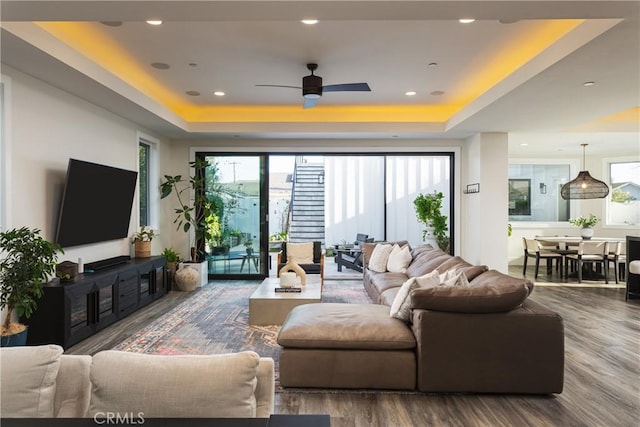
(584, 186)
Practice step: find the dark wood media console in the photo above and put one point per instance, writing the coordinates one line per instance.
(72, 311)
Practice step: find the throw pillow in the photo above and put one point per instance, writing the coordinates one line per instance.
(192, 386)
(28, 377)
(429, 280)
(401, 306)
(379, 258)
(399, 259)
(453, 278)
(300, 253)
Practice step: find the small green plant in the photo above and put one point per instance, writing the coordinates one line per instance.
(171, 255)
(29, 261)
(144, 235)
(584, 222)
(429, 211)
(282, 236)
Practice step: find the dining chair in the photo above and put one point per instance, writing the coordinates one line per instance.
(591, 252)
(618, 257)
(533, 249)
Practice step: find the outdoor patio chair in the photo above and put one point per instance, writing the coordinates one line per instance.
(352, 258)
(315, 255)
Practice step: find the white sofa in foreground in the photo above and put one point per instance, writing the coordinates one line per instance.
(40, 381)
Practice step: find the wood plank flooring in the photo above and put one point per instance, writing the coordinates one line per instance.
(602, 373)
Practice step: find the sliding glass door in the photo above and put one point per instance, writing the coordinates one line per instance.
(236, 226)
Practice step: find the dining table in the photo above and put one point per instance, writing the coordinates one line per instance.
(568, 245)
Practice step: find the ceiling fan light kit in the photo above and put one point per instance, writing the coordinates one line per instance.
(584, 186)
(312, 87)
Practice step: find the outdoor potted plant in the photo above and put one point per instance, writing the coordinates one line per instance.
(428, 209)
(142, 242)
(27, 264)
(586, 223)
(249, 245)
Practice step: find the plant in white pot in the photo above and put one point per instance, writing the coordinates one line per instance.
(586, 224)
(28, 261)
(429, 211)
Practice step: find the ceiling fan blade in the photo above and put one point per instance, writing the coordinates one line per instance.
(347, 87)
(310, 102)
(292, 87)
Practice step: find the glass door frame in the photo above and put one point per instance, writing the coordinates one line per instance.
(263, 219)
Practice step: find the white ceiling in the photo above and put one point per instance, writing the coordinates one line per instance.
(388, 44)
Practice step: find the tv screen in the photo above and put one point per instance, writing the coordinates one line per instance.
(96, 204)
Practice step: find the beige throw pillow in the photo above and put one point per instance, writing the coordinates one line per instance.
(453, 278)
(185, 386)
(379, 258)
(399, 259)
(300, 253)
(28, 380)
(401, 306)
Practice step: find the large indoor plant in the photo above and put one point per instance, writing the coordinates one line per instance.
(195, 207)
(28, 261)
(429, 211)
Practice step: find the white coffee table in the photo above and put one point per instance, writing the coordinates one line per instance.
(268, 307)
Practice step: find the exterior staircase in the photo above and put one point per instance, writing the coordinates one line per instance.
(307, 203)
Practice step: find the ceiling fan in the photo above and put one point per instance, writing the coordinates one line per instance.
(312, 88)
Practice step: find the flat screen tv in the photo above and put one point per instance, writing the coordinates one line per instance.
(96, 204)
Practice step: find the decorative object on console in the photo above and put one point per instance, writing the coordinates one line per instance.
(172, 263)
(586, 224)
(429, 211)
(29, 260)
(584, 186)
(142, 242)
(66, 271)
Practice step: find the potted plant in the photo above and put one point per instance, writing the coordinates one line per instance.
(28, 262)
(429, 211)
(586, 223)
(142, 242)
(249, 245)
(195, 210)
(172, 260)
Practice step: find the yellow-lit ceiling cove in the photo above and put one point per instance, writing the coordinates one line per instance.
(99, 48)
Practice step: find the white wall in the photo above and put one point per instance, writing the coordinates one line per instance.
(48, 126)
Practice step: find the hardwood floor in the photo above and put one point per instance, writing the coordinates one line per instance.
(602, 373)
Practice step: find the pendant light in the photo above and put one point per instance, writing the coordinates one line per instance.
(584, 186)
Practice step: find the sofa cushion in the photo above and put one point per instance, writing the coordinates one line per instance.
(492, 298)
(460, 265)
(426, 262)
(220, 385)
(453, 278)
(344, 326)
(384, 281)
(401, 306)
(300, 253)
(399, 259)
(387, 297)
(379, 257)
(28, 383)
(494, 277)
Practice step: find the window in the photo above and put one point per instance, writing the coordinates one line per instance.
(143, 182)
(624, 198)
(534, 192)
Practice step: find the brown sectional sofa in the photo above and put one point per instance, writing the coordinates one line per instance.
(487, 337)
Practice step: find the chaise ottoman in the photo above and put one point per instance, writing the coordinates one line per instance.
(328, 345)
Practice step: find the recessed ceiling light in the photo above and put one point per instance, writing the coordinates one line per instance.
(466, 20)
(160, 65)
(588, 83)
(154, 22)
(309, 21)
(218, 93)
(437, 92)
(192, 93)
(410, 93)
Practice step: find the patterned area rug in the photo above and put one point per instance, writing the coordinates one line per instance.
(215, 320)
